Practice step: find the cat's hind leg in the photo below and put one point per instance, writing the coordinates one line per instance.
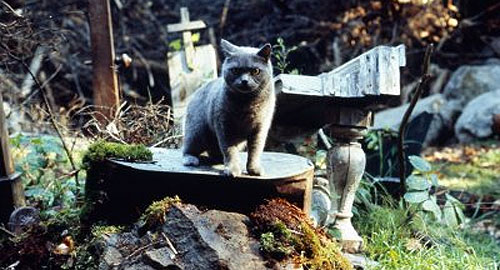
(194, 145)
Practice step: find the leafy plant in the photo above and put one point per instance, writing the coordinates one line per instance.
(280, 53)
(46, 172)
(420, 186)
(176, 44)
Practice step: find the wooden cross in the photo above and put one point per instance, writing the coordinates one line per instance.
(11, 188)
(186, 26)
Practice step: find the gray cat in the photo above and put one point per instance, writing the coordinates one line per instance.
(231, 110)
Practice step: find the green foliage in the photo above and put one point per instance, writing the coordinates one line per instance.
(101, 150)
(272, 246)
(99, 231)
(176, 44)
(477, 174)
(419, 186)
(396, 242)
(155, 213)
(46, 172)
(280, 53)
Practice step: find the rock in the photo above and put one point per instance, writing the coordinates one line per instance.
(212, 240)
(465, 84)
(161, 259)
(321, 202)
(476, 120)
(139, 266)
(391, 118)
(110, 258)
(189, 239)
(360, 261)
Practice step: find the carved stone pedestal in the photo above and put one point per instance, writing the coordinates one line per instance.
(346, 167)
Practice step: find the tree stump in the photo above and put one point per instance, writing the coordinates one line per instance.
(119, 191)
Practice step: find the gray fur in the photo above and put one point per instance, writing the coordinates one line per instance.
(228, 112)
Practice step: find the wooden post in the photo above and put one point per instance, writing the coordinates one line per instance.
(105, 81)
(11, 188)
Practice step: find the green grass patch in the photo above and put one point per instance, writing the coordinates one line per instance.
(480, 175)
(398, 243)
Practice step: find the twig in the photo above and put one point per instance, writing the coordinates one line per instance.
(169, 243)
(11, 9)
(51, 114)
(223, 16)
(402, 128)
(3, 229)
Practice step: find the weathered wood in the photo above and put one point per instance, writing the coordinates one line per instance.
(121, 190)
(189, 26)
(190, 68)
(105, 80)
(185, 26)
(339, 101)
(11, 188)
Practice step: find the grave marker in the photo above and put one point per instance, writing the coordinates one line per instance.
(191, 67)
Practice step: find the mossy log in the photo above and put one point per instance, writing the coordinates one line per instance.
(119, 191)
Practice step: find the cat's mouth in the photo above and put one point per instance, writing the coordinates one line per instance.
(245, 89)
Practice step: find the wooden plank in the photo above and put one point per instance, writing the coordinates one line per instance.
(127, 188)
(11, 188)
(105, 80)
(190, 26)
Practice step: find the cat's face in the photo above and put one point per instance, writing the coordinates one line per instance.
(246, 69)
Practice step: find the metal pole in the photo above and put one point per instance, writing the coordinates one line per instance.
(105, 80)
(11, 188)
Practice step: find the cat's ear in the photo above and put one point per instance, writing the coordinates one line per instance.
(228, 48)
(265, 51)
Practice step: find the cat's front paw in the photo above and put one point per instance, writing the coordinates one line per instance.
(255, 170)
(232, 170)
(189, 160)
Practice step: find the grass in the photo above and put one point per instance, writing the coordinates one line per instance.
(479, 175)
(395, 243)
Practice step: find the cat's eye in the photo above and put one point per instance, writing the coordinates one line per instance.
(255, 71)
(235, 70)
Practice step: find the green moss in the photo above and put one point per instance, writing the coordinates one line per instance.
(155, 213)
(98, 231)
(275, 248)
(101, 150)
(286, 233)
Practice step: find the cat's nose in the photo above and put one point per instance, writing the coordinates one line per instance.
(244, 82)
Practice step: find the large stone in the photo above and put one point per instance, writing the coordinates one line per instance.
(476, 120)
(212, 239)
(465, 84)
(391, 118)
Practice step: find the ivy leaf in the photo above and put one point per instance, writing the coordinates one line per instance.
(434, 180)
(420, 164)
(431, 206)
(450, 216)
(416, 196)
(415, 182)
